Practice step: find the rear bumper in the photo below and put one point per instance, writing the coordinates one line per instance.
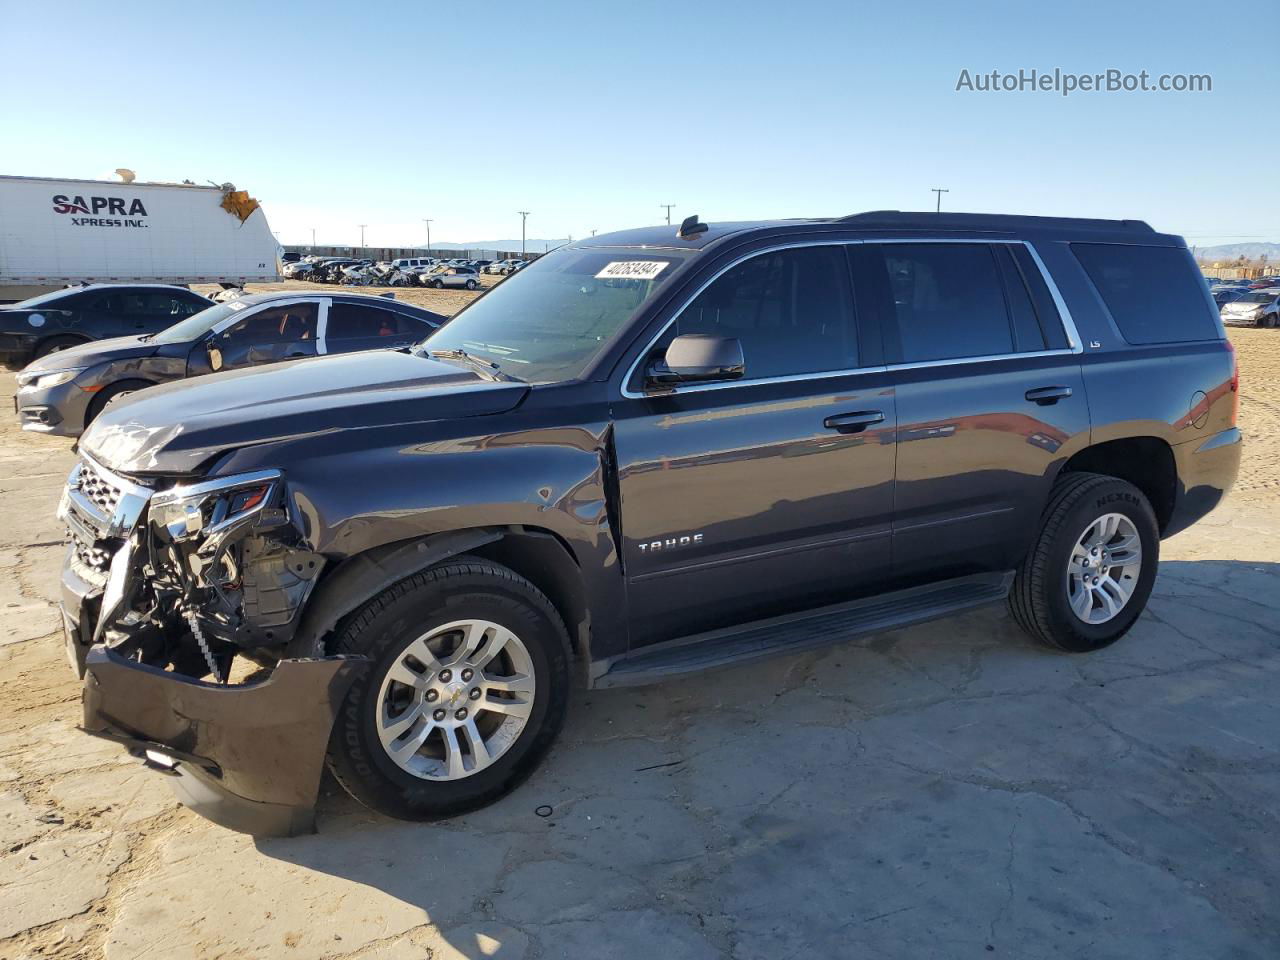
(16, 350)
(1207, 469)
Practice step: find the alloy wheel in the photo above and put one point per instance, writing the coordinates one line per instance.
(455, 700)
(1103, 571)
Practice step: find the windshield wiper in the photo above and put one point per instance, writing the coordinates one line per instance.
(486, 368)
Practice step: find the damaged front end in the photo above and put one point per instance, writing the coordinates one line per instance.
(165, 587)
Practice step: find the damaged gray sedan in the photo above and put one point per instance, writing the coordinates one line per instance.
(62, 393)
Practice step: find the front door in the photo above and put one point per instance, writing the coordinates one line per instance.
(269, 334)
(990, 403)
(750, 498)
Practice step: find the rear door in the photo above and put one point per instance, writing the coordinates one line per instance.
(357, 326)
(742, 499)
(990, 401)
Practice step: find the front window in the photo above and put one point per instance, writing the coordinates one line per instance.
(551, 322)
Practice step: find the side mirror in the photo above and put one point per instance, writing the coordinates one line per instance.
(699, 358)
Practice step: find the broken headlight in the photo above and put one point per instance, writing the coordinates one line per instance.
(210, 509)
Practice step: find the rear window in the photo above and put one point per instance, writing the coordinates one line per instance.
(1154, 294)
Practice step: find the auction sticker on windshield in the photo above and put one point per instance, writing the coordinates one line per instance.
(631, 270)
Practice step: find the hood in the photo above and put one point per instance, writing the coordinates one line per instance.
(1240, 306)
(91, 354)
(175, 427)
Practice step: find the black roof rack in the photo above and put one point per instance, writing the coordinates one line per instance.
(897, 219)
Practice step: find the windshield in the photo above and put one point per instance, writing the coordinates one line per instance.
(1262, 296)
(547, 323)
(200, 323)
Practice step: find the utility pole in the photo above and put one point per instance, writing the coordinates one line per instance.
(524, 216)
(313, 239)
(593, 233)
(428, 223)
(668, 207)
(362, 226)
(939, 193)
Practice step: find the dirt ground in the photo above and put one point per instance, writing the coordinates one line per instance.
(945, 791)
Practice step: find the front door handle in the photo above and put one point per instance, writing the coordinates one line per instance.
(853, 422)
(1048, 395)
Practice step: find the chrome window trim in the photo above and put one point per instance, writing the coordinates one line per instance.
(1075, 345)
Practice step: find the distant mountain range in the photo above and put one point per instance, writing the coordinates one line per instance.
(532, 245)
(1232, 251)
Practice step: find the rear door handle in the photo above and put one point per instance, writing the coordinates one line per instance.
(853, 422)
(1048, 395)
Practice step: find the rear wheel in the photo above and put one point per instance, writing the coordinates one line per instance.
(468, 688)
(57, 345)
(1090, 572)
(471, 284)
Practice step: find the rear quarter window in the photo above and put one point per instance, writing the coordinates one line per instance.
(1154, 294)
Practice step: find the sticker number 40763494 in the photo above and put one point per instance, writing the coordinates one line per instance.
(631, 270)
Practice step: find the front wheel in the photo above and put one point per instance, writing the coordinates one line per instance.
(468, 688)
(1089, 573)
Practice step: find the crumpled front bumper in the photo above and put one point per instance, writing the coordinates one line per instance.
(246, 756)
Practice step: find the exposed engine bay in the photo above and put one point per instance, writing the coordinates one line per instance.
(165, 586)
(192, 574)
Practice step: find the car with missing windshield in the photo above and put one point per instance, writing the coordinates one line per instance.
(650, 453)
(64, 392)
(1255, 308)
(56, 321)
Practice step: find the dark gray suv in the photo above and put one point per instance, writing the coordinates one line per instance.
(649, 453)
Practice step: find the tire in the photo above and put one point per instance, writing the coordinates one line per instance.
(1041, 598)
(56, 345)
(107, 394)
(471, 284)
(387, 629)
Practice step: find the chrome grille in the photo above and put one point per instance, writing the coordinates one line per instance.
(101, 491)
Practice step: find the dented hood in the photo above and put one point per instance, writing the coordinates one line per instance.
(175, 427)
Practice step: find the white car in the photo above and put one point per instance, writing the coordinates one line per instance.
(414, 264)
(1257, 308)
(450, 277)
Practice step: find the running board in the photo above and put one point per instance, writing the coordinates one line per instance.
(809, 630)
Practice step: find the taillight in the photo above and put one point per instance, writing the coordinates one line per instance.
(1235, 383)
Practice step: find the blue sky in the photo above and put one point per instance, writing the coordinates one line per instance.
(590, 115)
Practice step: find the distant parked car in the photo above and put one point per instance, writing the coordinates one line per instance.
(290, 257)
(1263, 282)
(504, 267)
(451, 277)
(1225, 295)
(62, 394)
(1257, 308)
(53, 322)
(413, 263)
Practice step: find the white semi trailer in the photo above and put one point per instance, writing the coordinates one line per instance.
(59, 232)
